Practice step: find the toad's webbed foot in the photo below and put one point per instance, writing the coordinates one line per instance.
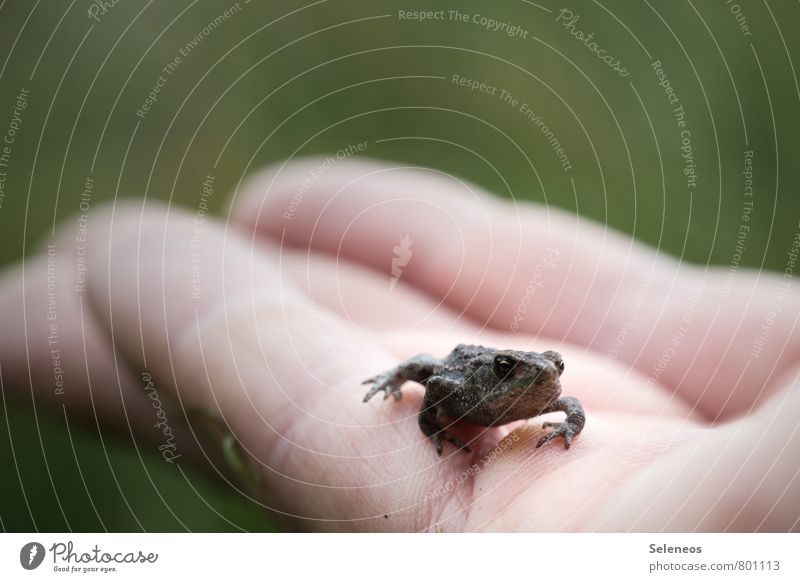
(389, 382)
(571, 426)
(565, 429)
(443, 435)
(418, 369)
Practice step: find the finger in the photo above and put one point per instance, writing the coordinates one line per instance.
(406, 323)
(367, 299)
(54, 353)
(713, 339)
(284, 375)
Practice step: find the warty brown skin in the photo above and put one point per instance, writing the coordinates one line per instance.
(485, 386)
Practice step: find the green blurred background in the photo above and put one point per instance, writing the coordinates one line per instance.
(279, 79)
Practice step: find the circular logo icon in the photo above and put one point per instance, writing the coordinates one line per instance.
(31, 555)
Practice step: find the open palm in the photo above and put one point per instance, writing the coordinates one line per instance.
(323, 276)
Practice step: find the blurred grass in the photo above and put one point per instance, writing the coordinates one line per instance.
(343, 72)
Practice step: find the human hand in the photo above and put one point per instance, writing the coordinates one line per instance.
(294, 308)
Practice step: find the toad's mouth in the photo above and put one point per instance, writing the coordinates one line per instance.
(540, 379)
(541, 386)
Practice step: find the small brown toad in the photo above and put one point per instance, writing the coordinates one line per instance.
(485, 386)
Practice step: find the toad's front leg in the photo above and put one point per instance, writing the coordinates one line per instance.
(571, 426)
(429, 424)
(418, 369)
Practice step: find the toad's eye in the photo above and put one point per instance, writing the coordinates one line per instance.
(560, 365)
(504, 366)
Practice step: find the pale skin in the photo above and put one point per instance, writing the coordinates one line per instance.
(291, 314)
